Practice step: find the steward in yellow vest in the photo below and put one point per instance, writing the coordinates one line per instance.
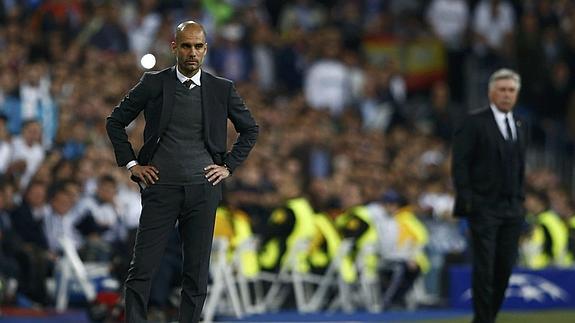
(287, 225)
(571, 227)
(356, 223)
(234, 225)
(324, 248)
(549, 237)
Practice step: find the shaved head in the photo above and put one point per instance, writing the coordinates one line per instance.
(190, 24)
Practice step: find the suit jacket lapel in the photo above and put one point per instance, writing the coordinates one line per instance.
(520, 135)
(169, 89)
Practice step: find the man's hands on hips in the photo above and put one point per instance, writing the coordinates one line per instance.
(216, 173)
(147, 174)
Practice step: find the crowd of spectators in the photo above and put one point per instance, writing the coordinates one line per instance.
(327, 112)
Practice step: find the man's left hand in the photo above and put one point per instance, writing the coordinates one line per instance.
(216, 173)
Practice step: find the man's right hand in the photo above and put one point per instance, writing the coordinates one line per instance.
(147, 174)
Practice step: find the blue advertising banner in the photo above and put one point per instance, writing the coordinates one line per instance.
(528, 289)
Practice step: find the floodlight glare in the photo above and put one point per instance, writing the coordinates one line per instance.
(148, 61)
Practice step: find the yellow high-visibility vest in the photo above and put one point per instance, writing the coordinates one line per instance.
(369, 237)
(570, 226)
(559, 236)
(304, 229)
(243, 232)
(320, 259)
(236, 228)
(535, 258)
(412, 230)
(224, 227)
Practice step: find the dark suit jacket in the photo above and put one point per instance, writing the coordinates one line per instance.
(478, 165)
(154, 94)
(28, 229)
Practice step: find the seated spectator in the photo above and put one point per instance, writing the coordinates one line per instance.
(99, 222)
(61, 218)
(407, 260)
(27, 219)
(9, 270)
(34, 257)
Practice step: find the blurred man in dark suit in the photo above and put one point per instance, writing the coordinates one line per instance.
(488, 171)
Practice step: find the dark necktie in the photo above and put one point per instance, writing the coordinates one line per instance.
(508, 129)
(188, 83)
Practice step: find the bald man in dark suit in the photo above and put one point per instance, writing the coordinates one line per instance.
(180, 166)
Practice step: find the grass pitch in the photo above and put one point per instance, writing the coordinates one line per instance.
(544, 316)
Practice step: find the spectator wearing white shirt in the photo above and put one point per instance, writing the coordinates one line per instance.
(27, 152)
(493, 26)
(449, 20)
(407, 261)
(386, 227)
(129, 204)
(382, 105)
(37, 101)
(60, 221)
(101, 209)
(142, 23)
(328, 82)
(99, 221)
(5, 146)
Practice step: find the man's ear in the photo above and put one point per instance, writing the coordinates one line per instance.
(174, 47)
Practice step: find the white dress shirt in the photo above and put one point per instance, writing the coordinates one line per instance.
(500, 119)
(195, 78)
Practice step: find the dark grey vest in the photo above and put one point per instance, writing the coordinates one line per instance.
(511, 175)
(181, 155)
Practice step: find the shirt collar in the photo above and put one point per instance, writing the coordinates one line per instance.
(499, 115)
(196, 78)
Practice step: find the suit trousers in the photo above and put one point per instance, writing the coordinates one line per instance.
(194, 206)
(495, 238)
